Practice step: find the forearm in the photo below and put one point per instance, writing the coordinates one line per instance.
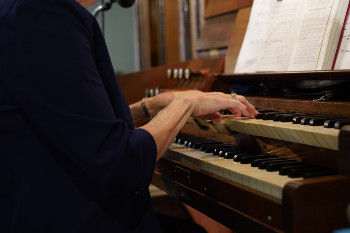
(153, 106)
(168, 123)
(138, 115)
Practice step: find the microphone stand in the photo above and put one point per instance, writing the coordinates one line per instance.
(106, 5)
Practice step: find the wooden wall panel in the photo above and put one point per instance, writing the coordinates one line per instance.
(145, 33)
(217, 32)
(172, 31)
(215, 7)
(154, 33)
(237, 37)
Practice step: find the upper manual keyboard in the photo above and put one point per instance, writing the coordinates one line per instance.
(314, 130)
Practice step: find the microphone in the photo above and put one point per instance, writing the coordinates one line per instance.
(107, 4)
(126, 3)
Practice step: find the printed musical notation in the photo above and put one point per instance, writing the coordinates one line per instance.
(343, 59)
(292, 35)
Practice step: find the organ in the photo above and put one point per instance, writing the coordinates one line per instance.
(239, 195)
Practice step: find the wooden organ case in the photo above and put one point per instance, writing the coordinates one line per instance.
(244, 203)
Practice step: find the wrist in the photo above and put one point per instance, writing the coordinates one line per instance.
(144, 107)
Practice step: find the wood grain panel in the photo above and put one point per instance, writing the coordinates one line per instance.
(215, 7)
(133, 85)
(344, 148)
(236, 40)
(155, 33)
(145, 34)
(336, 108)
(246, 211)
(217, 32)
(316, 204)
(172, 31)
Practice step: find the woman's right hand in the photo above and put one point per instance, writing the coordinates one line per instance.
(207, 104)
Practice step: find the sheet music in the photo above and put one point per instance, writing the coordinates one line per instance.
(343, 59)
(312, 39)
(248, 56)
(291, 35)
(280, 35)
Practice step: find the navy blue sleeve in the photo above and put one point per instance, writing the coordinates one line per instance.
(56, 77)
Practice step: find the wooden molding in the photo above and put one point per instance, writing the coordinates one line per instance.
(215, 8)
(237, 38)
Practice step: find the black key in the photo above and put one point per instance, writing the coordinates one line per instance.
(181, 140)
(264, 164)
(261, 114)
(209, 147)
(256, 162)
(309, 120)
(249, 158)
(265, 110)
(318, 121)
(299, 172)
(185, 142)
(329, 123)
(289, 117)
(190, 143)
(197, 145)
(224, 148)
(305, 120)
(276, 166)
(285, 170)
(297, 119)
(237, 157)
(278, 117)
(340, 124)
(319, 173)
(271, 115)
(225, 112)
(232, 153)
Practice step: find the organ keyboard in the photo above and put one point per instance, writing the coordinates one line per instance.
(287, 131)
(270, 183)
(246, 198)
(239, 195)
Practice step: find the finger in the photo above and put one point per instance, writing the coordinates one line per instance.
(238, 109)
(236, 112)
(214, 117)
(251, 109)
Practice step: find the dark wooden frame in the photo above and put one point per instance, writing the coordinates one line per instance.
(311, 205)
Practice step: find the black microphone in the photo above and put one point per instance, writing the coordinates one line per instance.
(107, 4)
(126, 3)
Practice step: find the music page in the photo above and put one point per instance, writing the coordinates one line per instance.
(248, 57)
(280, 35)
(343, 58)
(292, 35)
(313, 38)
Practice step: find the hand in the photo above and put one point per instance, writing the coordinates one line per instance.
(181, 105)
(207, 104)
(158, 102)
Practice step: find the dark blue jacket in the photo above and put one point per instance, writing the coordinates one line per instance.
(70, 158)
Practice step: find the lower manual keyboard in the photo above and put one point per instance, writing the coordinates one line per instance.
(268, 176)
(270, 183)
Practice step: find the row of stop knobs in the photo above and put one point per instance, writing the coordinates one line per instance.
(182, 73)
